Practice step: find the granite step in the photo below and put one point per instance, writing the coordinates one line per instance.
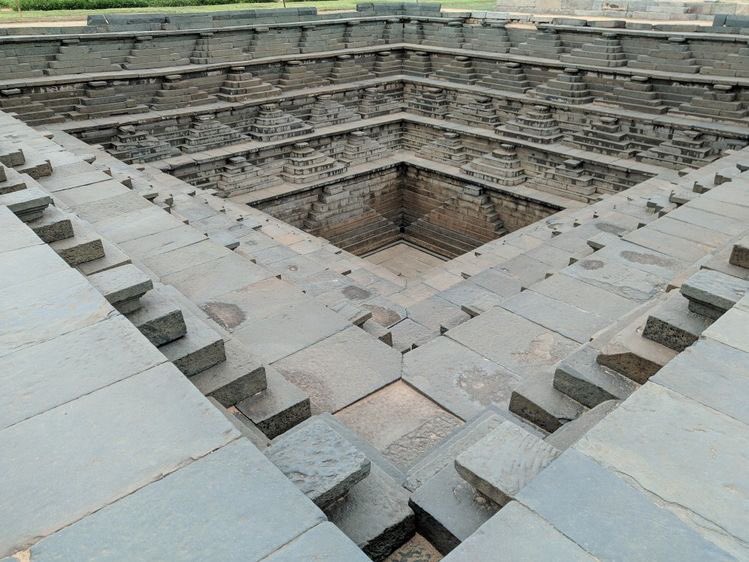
(278, 408)
(712, 293)
(570, 433)
(113, 257)
(331, 465)
(537, 401)
(504, 461)
(583, 379)
(85, 246)
(53, 225)
(159, 318)
(673, 324)
(233, 380)
(27, 204)
(199, 349)
(740, 253)
(243, 424)
(122, 286)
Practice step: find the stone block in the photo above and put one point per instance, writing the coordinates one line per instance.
(122, 286)
(503, 462)
(537, 401)
(673, 324)
(571, 432)
(711, 293)
(199, 349)
(277, 408)
(321, 463)
(159, 318)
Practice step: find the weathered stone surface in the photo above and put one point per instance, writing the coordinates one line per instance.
(580, 377)
(341, 369)
(604, 503)
(501, 463)
(375, 514)
(448, 510)
(571, 432)
(437, 313)
(711, 373)
(517, 533)
(277, 408)
(457, 378)
(45, 488)
(711, 293)
(399, 422)
(627, 282)
(24, 264)
(40, 377)
(321, 463)
(730, 328)
(322, 542)
(225, 487)
(526, 345)
(418, 549)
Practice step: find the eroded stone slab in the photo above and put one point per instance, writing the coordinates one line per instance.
(321, 463)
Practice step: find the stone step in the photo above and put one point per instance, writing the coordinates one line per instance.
(712, 293)
(278, 408)
(27, 204)
(630, 354)
(673, 324)
(85, 246)
(159, 318)
(504, 461)
(740, 253)
(113, 257)
(378, 331)
(122, 286)
(331, 465)
(199, 349)
(537, 401)
(570, 433)
(580, 377)
(233, 380)
(243, 424)
(53, 225)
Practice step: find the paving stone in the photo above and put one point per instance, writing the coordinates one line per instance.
(47, 307)
(233, 380)
(517, 533)
(526, 345)
(496, 282)
(458, 379)
(341, 368)
(322, 542)
(711, 293)
(627, 282)
(16, 235)
(25, 264)
(375, 514)
(43, 376)
(225, 487)
(571, 432)
(437, 314)
(399, 422)
(448, 510)
(46, 488)
(672, 324)
(666, 443)
(567, 320)
(721, 365)
(583, 379)
(277, 408)
(501, 463)
(466, 293)
(321, 463)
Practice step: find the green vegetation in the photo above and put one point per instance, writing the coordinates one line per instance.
(62, 12)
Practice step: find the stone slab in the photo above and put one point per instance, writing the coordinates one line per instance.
(407, 335)
(159, 318)
(235, 488)
(200, 348)
(448, 510)
(28, 263)
(337, 370)
(731, 329)
(16, 234)
(399, 422)
(605, 505)
(567, 320)
(512, 341)
(40, 377)
(504, 461)
(45, 488)
(375, 514)
(121, 284)
(319, 461)
(571, 432)
(714, 290)
(667, 444)
(711, 373)
(47, 307)
(323, 542)
(457, 378)
(612, 276)
(537, 401)
(672, 324)
(437, 314)
(517, 533)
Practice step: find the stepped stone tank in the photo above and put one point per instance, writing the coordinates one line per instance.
(392, 284)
